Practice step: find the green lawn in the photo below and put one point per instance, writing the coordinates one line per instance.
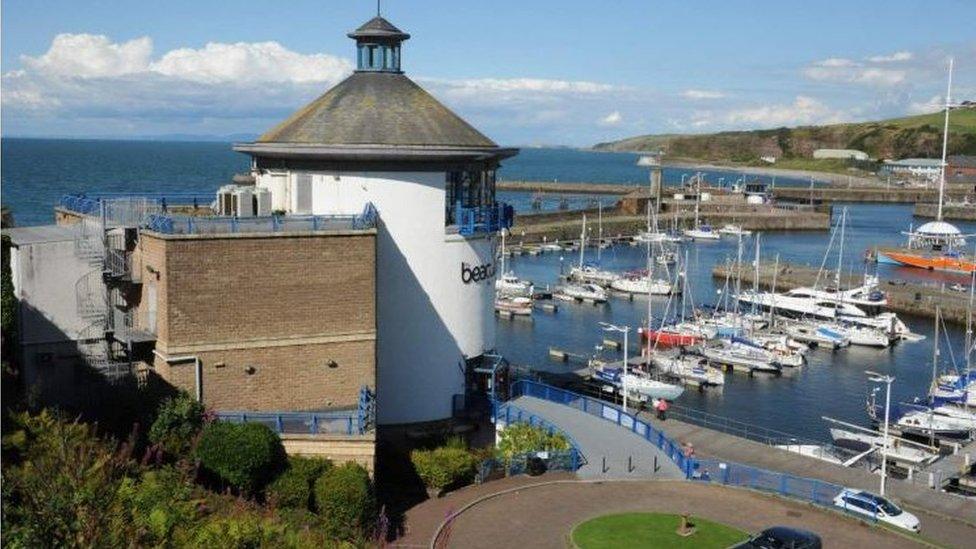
(647, 530)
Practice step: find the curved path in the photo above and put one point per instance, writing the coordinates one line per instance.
(627, 455)
(544, 515)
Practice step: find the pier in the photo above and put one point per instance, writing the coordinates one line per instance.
(873, 193)
(903, 297)
(958, 212)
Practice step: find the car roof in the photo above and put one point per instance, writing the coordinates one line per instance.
(789, 533)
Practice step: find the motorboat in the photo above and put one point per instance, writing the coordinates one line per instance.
(928, 423)
(803, 302)
(816, 451)
(638, 383)
(779, 345)
(551, 247)
(641, 283)
(815, 333)
(592, 274)
(741, 353)
(521, 306)
(650, 236)
(667, 257)
(510, 285)
(581, 292)
(899, 450)
(865, 336)
(702, 232)
(692, 369)
(734, 230)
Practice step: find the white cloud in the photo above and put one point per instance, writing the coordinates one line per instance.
(835, 62)
(934, 104)
(612, 119)
(836, 69)
(496, 90)
(91, 56)
(702, 94)
(260, 62)
(803, 110)
(893, 58)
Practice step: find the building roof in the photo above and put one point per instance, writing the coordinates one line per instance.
(374, 108)
(919, 162)
(962, 161)
(378, 27)
(23, 236)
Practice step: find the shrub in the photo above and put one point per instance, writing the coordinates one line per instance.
(158, 503)
(60, 485)
(344, 498)
(522, 438)
(293, 488)
(243, 455)
(178, 420)
(443, 467)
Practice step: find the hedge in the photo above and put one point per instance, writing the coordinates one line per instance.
(443, 467)
(344, 498)
(521, 438)
(245, 456)
(293, 489)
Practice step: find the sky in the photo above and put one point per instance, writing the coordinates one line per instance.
(535, 72)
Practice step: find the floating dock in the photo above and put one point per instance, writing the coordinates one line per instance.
(903, 297)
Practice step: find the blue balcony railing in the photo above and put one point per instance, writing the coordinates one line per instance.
(483, 219)
(185, 224)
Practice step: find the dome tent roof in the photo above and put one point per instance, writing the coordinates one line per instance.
(938, 228)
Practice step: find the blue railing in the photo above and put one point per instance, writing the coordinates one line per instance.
(483, 219)
(184, 224)
(353, 421)
(562, 460)
(611, 413)
(89, 204)
(80, 204)
(514, 414)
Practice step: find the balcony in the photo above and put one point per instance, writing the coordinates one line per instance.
(181, 224)
(483, 219)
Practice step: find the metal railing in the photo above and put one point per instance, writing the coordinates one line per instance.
(352, 421)
(483, 219)
(563, 460)
(173, 224)
(611, 413)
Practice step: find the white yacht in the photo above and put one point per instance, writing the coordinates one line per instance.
(521, 306)
(738, 353)
(804, 302)
(814, 333)
(785, 353)
(638, 384)
(702, 232)
(926, 423)
(691, 369)
(510, 285)
(581, 292)
(650, 236)
(641, 283)
(732, 229)
(898, 450)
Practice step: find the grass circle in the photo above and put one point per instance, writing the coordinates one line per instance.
(647, 530)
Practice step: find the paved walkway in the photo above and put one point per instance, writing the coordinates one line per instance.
(544, 515)
(626, 454)
(938, 511)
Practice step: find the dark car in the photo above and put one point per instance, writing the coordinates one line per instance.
(782, 537)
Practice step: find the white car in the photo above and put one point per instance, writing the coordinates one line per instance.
(874, 506)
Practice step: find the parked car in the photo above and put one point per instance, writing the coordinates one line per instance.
(782, 537)
(877, 507)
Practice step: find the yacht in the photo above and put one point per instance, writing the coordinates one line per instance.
(650, 236)
(592, 274)
(581, 292)
(783, 352)
(899, 450)
(743, 354)
(732, 229)
(510, 285)
(691, 369)
(702, 232)
(641, 283)
(814, 333)
(681, 334)
(521, 306)
(928, 423)
(638, 383)
(805, 302)
(864, 335)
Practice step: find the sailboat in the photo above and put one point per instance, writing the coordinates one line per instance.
(588, 272)
(701, 231)
(936, 245)
(508, 284)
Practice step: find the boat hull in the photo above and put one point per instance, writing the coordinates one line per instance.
(931, 262)
(672, 339)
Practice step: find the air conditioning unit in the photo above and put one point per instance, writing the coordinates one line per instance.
(243, 202)
(225, 200)
(262, 202)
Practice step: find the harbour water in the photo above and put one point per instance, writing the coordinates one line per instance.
(37, 172)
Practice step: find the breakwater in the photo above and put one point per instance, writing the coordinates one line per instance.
(878, 194)
(903, 297)
(960, 212)
(554, 187)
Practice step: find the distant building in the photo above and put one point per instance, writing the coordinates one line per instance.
(961, 165)
(844, 154)
(913, 167)
(769, 159)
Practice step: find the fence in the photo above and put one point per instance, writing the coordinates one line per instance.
(806, 489)
(170, 224)
(563, 460)
(611, 413)
(353, 421)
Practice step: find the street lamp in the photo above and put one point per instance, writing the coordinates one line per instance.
(887, 380)
(623, 378)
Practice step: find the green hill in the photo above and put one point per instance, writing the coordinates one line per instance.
(913, 136)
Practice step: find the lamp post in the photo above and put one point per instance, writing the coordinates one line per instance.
(623, 378)
(887, 380)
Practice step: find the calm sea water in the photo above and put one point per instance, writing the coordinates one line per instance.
(35, 173)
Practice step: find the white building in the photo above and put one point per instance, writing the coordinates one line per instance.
(843, 154)
(378, 138)
(927, 168)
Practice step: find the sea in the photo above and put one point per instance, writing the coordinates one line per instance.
(36, 172)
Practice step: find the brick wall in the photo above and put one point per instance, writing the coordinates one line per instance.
(278, 322)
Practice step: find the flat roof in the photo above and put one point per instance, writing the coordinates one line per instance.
(22, 236)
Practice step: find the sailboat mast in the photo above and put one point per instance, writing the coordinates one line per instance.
(599, 231)
(945, 143)
(503, 251)
(582, 242)
(755, 281)
(650, 282)
(840, 252)
(738, 274)
(935, 363)
(772, 295)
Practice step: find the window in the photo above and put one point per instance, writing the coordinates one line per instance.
(468, 189)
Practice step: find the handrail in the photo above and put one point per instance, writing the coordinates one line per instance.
(611, 413)
(308, 422)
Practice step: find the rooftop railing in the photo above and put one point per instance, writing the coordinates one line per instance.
(180, 224)
(483, 219)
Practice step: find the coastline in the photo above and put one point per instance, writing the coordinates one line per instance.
(820, 177)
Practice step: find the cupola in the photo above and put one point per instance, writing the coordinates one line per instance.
(378, 46)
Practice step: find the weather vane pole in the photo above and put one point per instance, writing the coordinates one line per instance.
(378, 8)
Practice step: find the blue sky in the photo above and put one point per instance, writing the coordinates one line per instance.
(540, 72)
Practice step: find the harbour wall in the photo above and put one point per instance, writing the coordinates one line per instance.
(903, 297)
(959, 212)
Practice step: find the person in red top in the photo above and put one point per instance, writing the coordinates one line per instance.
(662, 408)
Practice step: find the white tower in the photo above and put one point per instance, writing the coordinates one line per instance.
(378, 138)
